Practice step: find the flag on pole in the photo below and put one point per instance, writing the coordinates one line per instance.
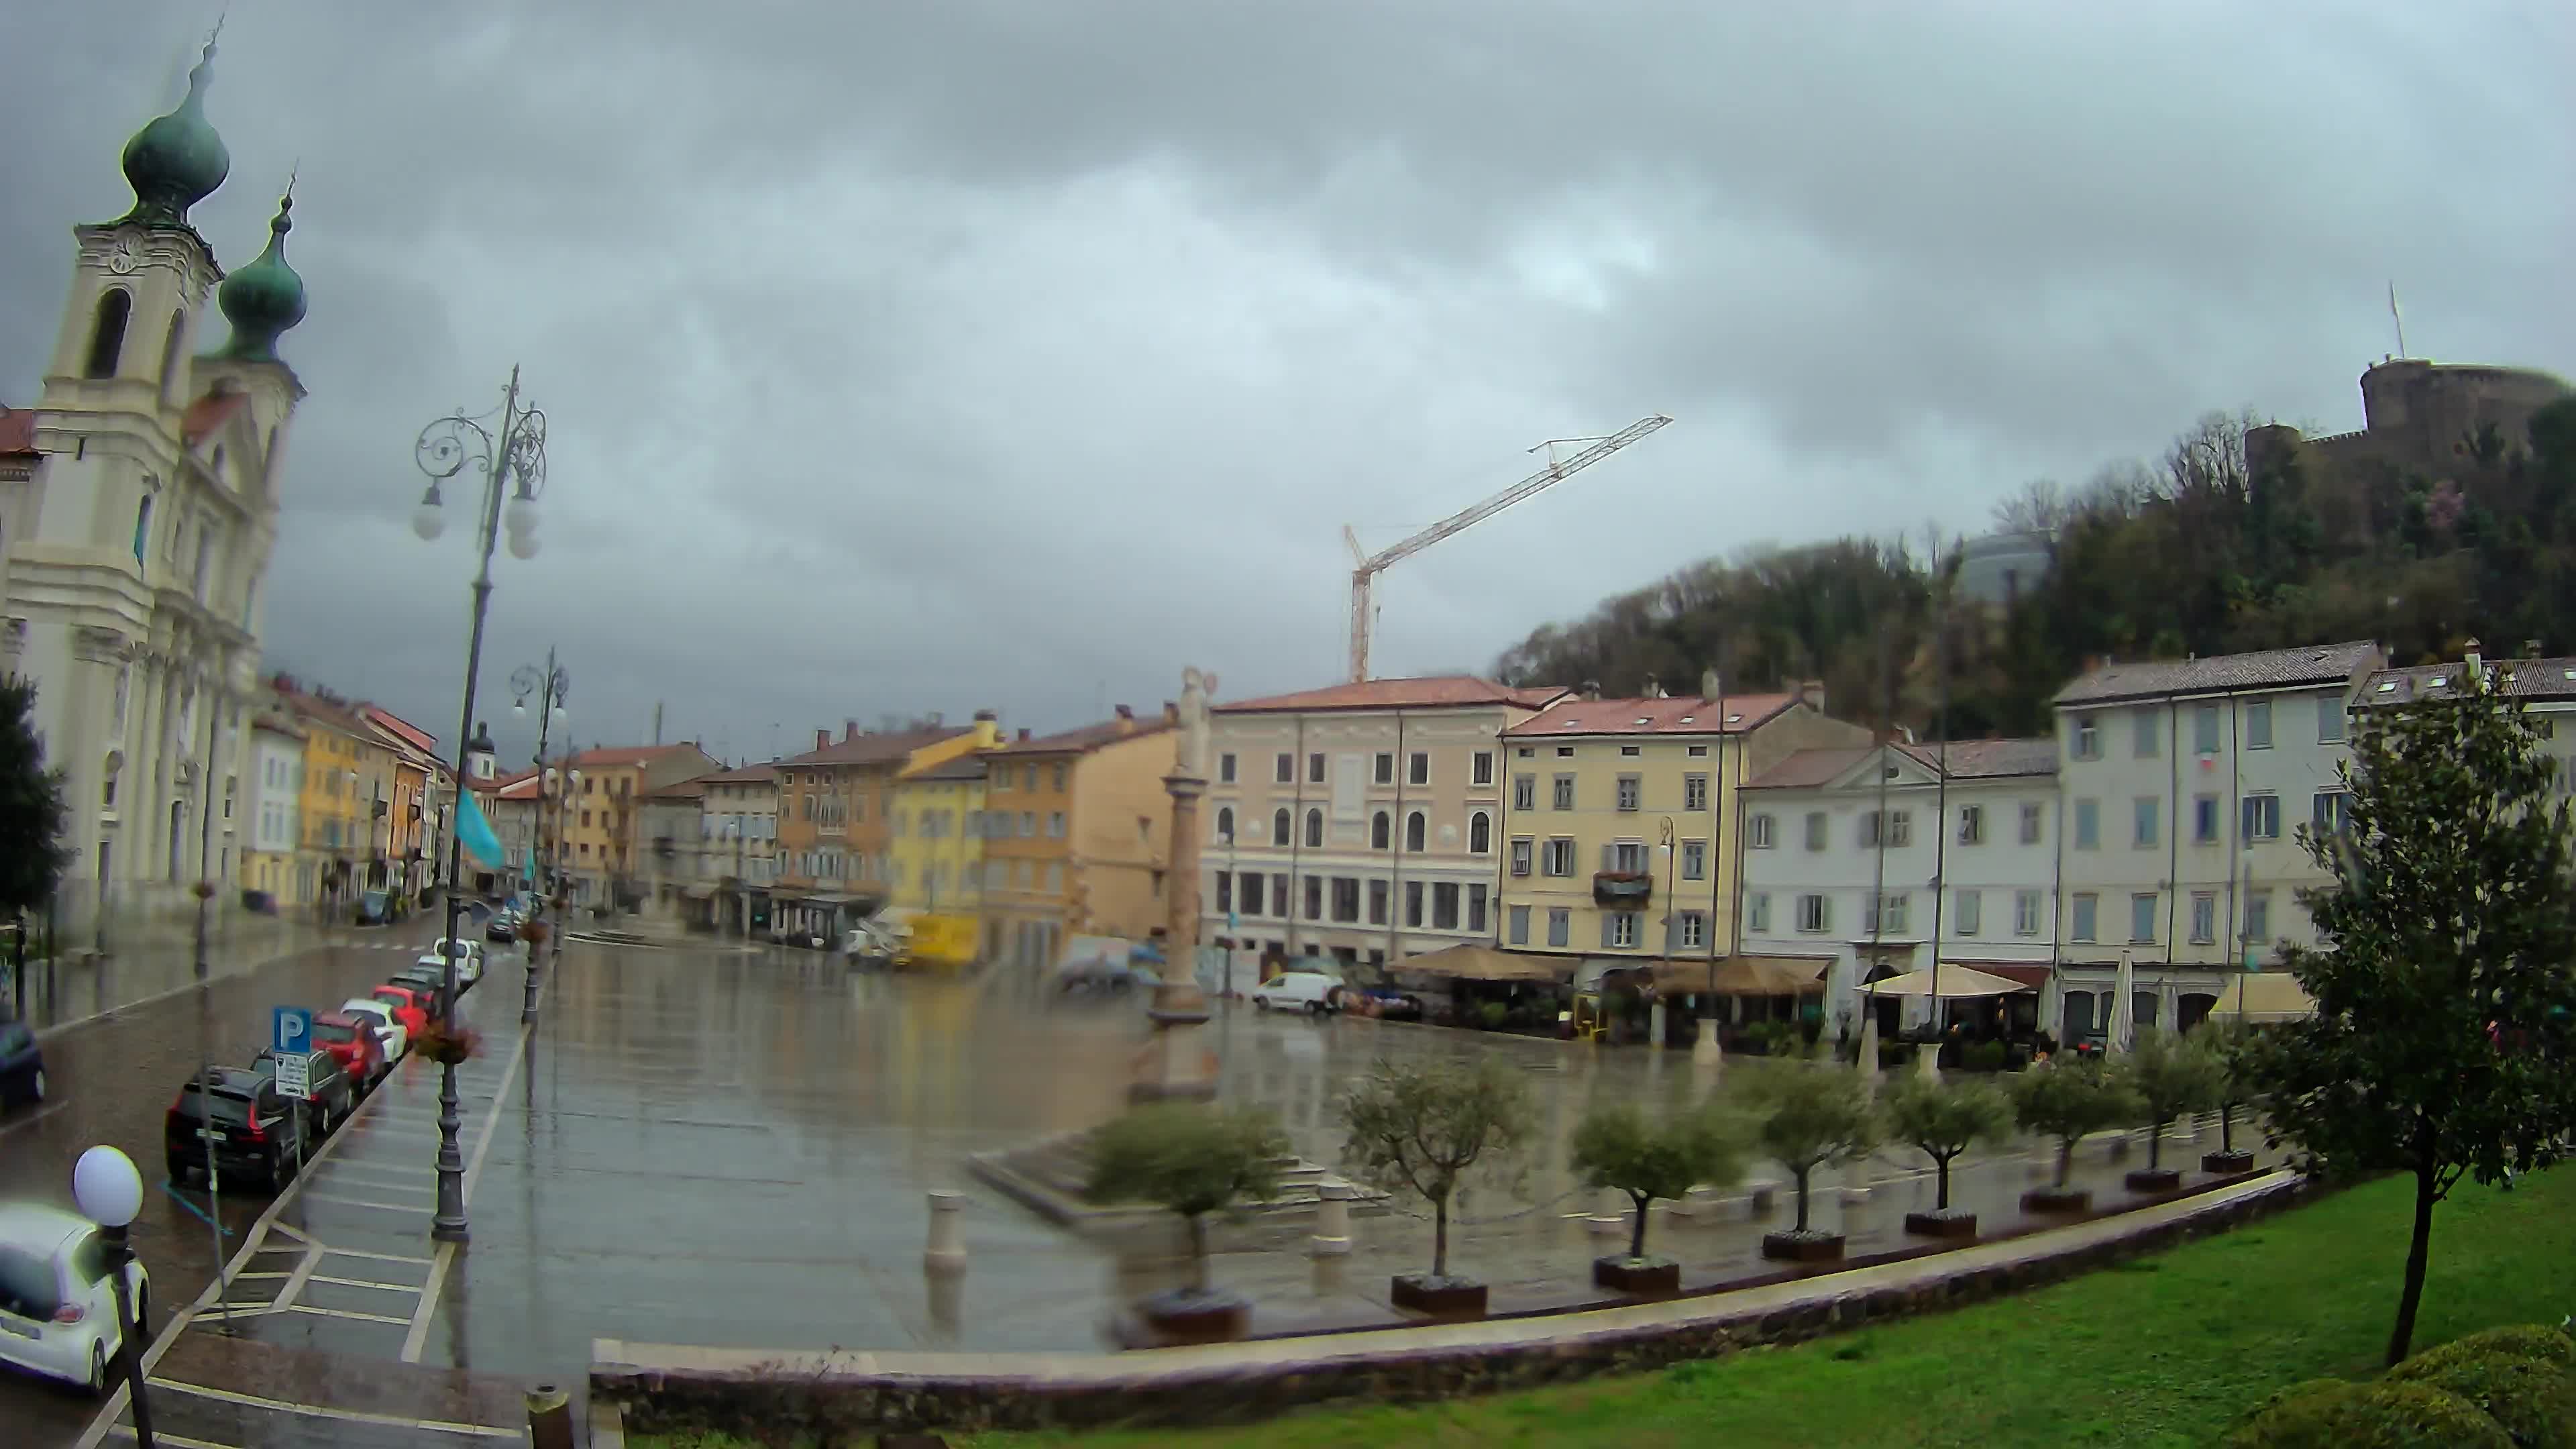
(475, 832)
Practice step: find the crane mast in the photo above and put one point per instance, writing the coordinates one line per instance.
(1367, 566)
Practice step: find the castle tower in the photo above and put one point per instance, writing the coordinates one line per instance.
(133, 574)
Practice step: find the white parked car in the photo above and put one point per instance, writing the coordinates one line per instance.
(469, 964)
(57, 1299)
(389, 1027)
(469, 969)
(1307, 991)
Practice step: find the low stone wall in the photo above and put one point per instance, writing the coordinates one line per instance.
(668, 1389)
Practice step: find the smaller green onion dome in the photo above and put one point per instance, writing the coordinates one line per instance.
(177, 160)
(264, 299)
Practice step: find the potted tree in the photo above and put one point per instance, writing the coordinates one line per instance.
(2232, 1044)
(1812, 1116)
(2172, 1079)
(1942, 1119)
(1192, 1160)
(1616, 1147)
(1419, 1127)
(2064, 1103)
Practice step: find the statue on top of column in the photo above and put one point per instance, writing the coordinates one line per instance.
(1191, 753)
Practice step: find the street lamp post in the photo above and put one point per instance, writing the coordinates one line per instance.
(444, 449)
(1663, 970)
(549, 686)
(110, 1193)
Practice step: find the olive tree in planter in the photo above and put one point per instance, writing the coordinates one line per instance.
(2232, 1044)
(1811, 1115)
(2173, 1079)
(1193, 1160)
(1942, 1119)
(1617, 1147)
(1420, 1127)
(2064, 1103)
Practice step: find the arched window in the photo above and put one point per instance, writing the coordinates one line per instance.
(1314, 830)
(1279, 827)
(1480, 833)
(1414, 825)
(170, 354)
(108, 776)
(107, 333)
(1225, 825)
(142, 528)
(1381, 830)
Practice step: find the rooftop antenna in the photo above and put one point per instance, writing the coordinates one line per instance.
(2397, 317)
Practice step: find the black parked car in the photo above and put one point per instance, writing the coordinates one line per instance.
(241, 1115)
(333, 1096)
(22, 1065)
(430, 982)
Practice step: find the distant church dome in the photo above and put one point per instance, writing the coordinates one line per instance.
(177, 160)
(264, 299)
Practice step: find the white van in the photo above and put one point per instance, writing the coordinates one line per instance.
(1307, 991)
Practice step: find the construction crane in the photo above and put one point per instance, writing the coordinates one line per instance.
(1367, 566)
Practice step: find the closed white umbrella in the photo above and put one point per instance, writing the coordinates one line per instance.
(2124, 1021)
(2168, 1007)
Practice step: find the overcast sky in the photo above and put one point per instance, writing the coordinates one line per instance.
(926, 356)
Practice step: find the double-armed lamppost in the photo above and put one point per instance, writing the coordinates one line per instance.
(509, 450)
(548, 685)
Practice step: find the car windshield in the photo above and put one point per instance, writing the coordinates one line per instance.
(334, 1033)
(391, 997)
(14, 1038)
(230, 1107)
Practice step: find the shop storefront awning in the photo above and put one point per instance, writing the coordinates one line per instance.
(1471, 962)
(2030, 974)
(2264, 996)
(1744, 976)
(1956, 981)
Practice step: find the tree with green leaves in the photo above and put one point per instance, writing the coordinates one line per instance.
(2069, 1102)
(32, 815)
(1813, 1116)
(2173, 1079)
(2231, 1044)
(1191, 1160)
(1942, 1119)
(1617, 1148)
(1421, 1126)
(2440, 1046)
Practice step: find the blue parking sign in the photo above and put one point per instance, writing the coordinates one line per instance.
(291, 1031)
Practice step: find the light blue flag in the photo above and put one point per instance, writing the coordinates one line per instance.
(476, 833)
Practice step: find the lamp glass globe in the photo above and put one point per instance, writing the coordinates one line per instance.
(523, 545)
(521, 515)
(108, 1189)
(428, 521)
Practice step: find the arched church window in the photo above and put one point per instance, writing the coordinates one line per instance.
(107, 789)
(170, 354)
(107, 332)
(142, 528)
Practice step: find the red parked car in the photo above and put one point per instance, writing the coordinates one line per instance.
(409, 1009)
(360, 1054)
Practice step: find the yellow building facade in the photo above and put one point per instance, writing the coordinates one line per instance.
(936, 855)
(344, 809)
(602, 819)
(1618, 818)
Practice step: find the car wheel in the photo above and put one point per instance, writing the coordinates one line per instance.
(1314, 1008)
(97, 1385)
(179, 1170)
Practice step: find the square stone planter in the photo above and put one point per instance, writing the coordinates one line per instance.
(2154, 1179)
(2056, 1200)
(1808, 1247)
(1642, 1276)
(1948, 1223)
(1444, 1297)
(2228, 1164)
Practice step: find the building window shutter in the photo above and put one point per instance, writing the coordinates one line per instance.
(1605, 928)
(1609, 857)
(1672, 932)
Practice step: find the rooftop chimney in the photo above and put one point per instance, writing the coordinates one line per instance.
(1591, 689)
(988, 714)
(1711, 685)
(1126, 719)
(2477, 660)
(1812, 693)
(1171, 711)
(2530, 648)
(849, 729)
(1653, 689)
(1024, 734)
(822, 739)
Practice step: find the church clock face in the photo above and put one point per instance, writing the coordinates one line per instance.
(122, 258)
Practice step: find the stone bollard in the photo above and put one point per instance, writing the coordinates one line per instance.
(549, 1418)
(947, 1231)
(1332, 1219)
(1855, 1207)
(1762, 1194)
(1612, 1215)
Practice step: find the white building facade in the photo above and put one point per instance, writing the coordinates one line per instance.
(275, 809)
(2185, 783)
(1360, 822)
(136, 547)
(1862, 861)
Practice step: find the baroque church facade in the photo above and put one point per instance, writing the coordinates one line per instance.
(137, 540)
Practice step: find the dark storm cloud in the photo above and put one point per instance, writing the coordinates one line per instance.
(1012, 354)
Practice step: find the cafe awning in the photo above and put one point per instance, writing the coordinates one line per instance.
(2264, 996)
(1744, 976)
(1956, 982)
(1470, 962)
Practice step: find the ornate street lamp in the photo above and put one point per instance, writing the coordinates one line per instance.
(515, 459)
(549, 685)
(110, 1192)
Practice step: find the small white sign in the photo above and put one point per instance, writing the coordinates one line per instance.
(295, 1076)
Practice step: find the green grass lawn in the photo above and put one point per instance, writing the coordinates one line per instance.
(2163, 1351)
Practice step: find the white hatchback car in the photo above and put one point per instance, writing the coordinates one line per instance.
(469, 969)
(469, 961)
(57, 1300)
(395, 1036)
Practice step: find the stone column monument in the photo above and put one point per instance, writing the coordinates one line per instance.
(1177, 1061)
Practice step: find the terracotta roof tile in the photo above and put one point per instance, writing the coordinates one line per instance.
(209, 413)
(1665, 715)
(613, 757)
(695, 789)
(763, 774)
(1809, 769)
(1086, 739)
(876, 749)
(1431, 692)
(1968, 760)
(2263, 669)
(17, 431)
(2541, 679)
